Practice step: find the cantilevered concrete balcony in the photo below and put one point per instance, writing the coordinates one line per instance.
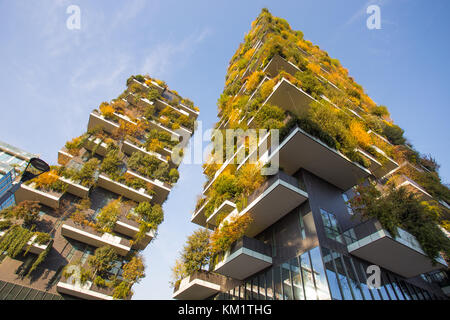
(224, 209)
(29, 192)
(246, 257)
(277, 63)
(121, 189)
(198, 286)
(96, 119)
(97, 145)
(130, 228)
(412, 186)
(129, 148)
(35, 248)
(75, 188)
(379, 168)
(401, 254)
(290, 98)
(87, 291)
(301, 150)
(90, 236)
(64, 156)
(198, 217)
(192, 113)
(275, 198)
(160, 188)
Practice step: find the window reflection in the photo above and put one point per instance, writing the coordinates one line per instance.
(307, 277)
(286, 279)
(319, 275)
(297, 280)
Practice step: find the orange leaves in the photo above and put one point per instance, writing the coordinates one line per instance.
(106, 109)
(315, 68)
(254, 80)
(267, 88)
(358, 131)
(249, 53)
(46, 179)
(222, 238)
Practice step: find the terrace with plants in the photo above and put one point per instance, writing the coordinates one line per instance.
(20, 235)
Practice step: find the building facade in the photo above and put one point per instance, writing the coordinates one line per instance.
(76, 231)
(303, 239)
(12, 162)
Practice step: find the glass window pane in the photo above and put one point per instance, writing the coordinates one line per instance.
(345, 286)
(357, 267)
(331, 274)
(286, 280)
(255, 295)
(277, 283)
(388, 286)
(323, 293)
(307, 277)
(269, 285)
(262, 287)
(396, 287)
(352, 279)
(296, 280)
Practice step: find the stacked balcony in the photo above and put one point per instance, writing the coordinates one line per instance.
(246, 257)
(89, 235)
(119, 188)
(31, 246)
(130, 228)
(224, 209)
(160, 188)
(198, 217)
(277, 63)
(87, 291)
(199, 286)
(401, 254)
(30, 192)
(275, 198)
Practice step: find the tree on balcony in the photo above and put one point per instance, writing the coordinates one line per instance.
(397, 208)
(102, 261)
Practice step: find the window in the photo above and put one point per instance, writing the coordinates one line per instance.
(331, 226)
(297, 280)
(286, 280)
(349, 207)
(319, 275)
(331, 274)
(307, 276)
(302, 225)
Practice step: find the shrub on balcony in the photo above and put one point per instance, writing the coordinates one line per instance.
(86, 174)
(270, 117)
(26, 211)
(49, 181)
(15, 240)
(398, 208)
(107, 217)
(112, 164)
(196, 252)
(310, 84)
(134, 270)
(173, 175)
(102, 261)
(122, 291)
(5, 224)
(150, 218)
(107, 110)
(394, 134)
(223, 237)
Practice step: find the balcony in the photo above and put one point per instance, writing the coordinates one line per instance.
(301, 150)
(29, 192)
(122, 189)
(34, 247)
(379, 169)
(96, 144)
(192, 112)
(97, 120)
(64, 156)
(129, 148)
(275, 198)
(289, 97)
(246, 257)
(94, 238)
(224, 209)
(87, 291)
(277, 63)
(130, 228)
(412, 186)
(198, 217)
(198, 286)
(75, 188)
(402, 254)
(160, 188)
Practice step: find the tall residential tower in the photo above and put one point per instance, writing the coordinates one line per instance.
(329, 218)
(77, 230)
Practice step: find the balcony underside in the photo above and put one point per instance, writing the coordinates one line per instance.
(199, 217)
(273, 204)
(290, 98)
(393, 255)
(243, 263)
(301, 150)
(277, 64)
(130, 229)
(196, 289)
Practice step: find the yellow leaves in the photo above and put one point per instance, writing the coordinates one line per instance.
(155, 145)
(358, 131)
(315, 68)
(148, 82)
(46, 179)
(249, 53)
(304, 45)
(254, 80)
(250, 177)
(267, 88)
(230, 231)
(106, 109)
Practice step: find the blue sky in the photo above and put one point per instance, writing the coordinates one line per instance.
(52, 77)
